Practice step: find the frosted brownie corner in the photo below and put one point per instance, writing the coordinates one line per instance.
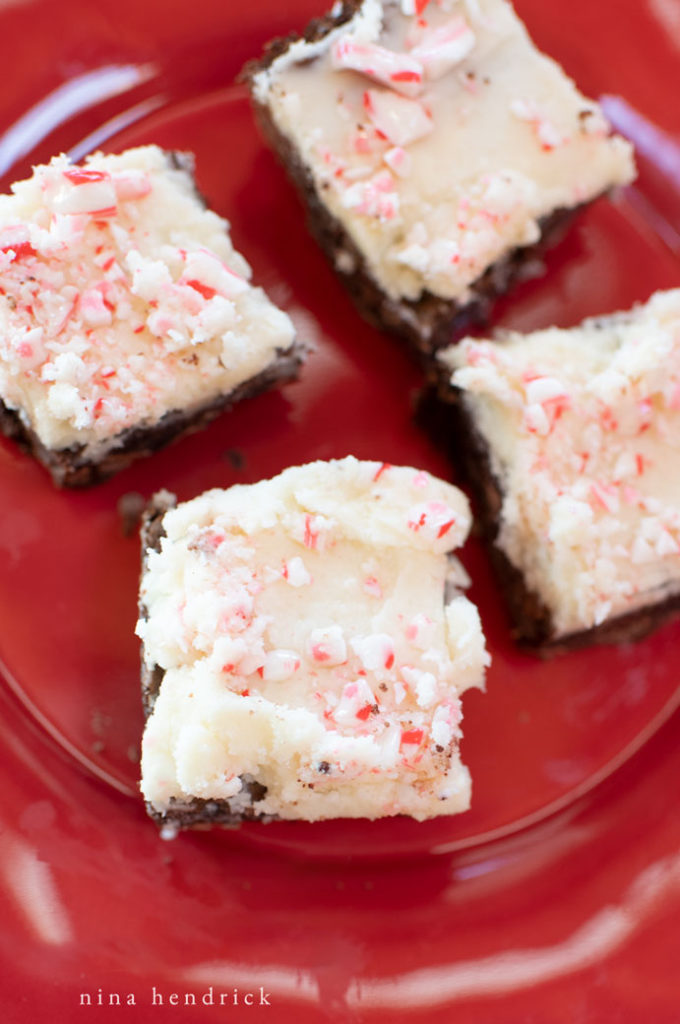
(571, 439)
(126, 316)
(305, 647)
(437, 150)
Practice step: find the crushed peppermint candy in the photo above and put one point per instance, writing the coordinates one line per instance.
(441, 49)
(398, 119)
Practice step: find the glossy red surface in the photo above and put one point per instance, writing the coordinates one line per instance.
(557, 897)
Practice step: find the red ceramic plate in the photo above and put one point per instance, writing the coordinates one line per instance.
(557, 897)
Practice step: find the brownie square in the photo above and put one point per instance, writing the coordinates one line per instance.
(437, 151)
(126, 316)
(305, 646)
(571, 441)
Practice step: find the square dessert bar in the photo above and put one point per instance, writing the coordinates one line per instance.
(436, 149)
(305, 646)
(572, 440)
(126, 316)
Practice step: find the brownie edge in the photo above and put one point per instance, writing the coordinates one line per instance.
(194, 812)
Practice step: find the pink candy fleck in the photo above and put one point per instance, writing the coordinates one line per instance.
(83, 176)
(397, 70)
(311, 536)
(399, 161)
(372, 587)
(203, 289)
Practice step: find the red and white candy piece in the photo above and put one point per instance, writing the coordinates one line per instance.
(398, 161)
(280, 665)
(295, 573)
(605, 495)
(411, 739)
(86, 191)
(434, 520)
(421, 631)
(15, 243)
(399, 119)
(356, 703)
(327, 646)
(441, 49)
(376, 197)
(207, 274)
(131, 184)
(536, 420)
(372, 587)
(544, 389)
(93, 308)
(313, 531)
(375, 651)
(547, 399)
(445, 722)
(29, 347)
(546, 133)
(399, 71)
(413, 7)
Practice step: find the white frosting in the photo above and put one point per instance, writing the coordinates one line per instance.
(121, 299)
(303, 631)
(583, 427)
(439, 137)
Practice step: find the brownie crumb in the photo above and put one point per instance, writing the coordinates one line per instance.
(129, 508)
(255, 790)
(236, 458)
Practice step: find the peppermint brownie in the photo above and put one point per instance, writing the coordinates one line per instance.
(305, 646)
(436, 149)
(572, 440)
(126, 316)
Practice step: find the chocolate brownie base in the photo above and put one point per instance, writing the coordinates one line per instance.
(72, 467)
(430, 322)
(196, 812)
(442, 412)
(205, 814)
